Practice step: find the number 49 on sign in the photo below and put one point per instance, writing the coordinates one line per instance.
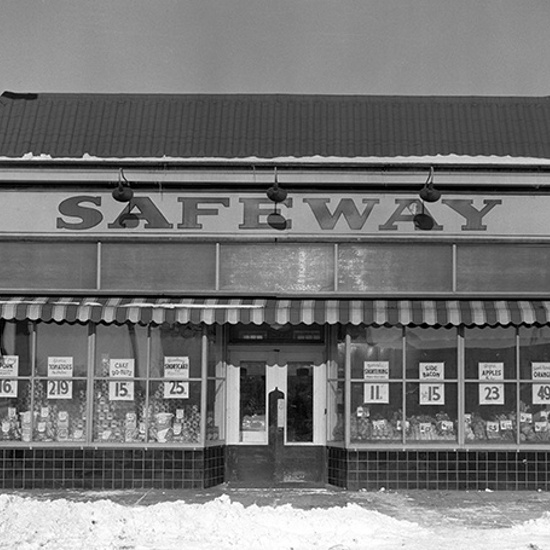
(541, 394)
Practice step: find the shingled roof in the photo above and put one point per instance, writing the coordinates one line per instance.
(156, 126)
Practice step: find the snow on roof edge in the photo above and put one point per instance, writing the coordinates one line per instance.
(316, 159)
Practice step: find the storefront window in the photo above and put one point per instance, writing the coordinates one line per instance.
(490, 390)
(376, 395)
(60, 385)
(432, 390)
(120, 389)
(534, 405)
(15, 385)
(175, 395)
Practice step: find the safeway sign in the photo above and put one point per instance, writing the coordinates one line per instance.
(63, 212)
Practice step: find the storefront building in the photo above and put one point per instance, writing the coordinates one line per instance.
(165, 321)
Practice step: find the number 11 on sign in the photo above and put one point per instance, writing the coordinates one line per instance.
(376, 393)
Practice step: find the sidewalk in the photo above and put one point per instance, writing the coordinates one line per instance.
(479, 509)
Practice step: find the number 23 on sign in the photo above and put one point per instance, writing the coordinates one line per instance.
(491, 394)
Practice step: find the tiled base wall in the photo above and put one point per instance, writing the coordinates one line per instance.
(111, 468)
(442, 470)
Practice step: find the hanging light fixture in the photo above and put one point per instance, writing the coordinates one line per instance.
(277, 195)
(428, 193)
(123, 192)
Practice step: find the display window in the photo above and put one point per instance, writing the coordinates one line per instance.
(146, 385)
(534, 404)
(490, 389)
(431, 390)
(15, 381)
(376, 357)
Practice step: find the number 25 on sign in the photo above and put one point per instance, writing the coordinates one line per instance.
(176, 389)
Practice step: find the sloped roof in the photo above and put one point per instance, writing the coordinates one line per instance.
(271, 126)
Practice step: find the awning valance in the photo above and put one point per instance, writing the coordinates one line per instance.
(274, 311)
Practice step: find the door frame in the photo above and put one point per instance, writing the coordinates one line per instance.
(276, 360)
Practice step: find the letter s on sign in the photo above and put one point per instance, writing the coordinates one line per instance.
(72, 207)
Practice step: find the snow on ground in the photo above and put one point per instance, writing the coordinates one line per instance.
(28, 523)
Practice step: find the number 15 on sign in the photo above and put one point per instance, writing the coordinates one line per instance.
(121, 391)
(432, 394)
(376, 393)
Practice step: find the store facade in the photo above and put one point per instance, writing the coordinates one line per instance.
(201, 333)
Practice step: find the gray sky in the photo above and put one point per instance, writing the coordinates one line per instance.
(389, 47)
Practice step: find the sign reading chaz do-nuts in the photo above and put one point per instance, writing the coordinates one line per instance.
(337, 213)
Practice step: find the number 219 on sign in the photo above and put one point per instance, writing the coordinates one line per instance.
(491, 394)
(60, 389)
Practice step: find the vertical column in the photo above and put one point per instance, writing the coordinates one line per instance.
(204, 384)
(347, 392)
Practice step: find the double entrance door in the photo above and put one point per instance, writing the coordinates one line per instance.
(276, 416)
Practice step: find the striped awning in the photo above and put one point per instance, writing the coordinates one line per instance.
(274, 311)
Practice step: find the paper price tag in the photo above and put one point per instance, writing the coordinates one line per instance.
(491, 394)
(493, 427)
(432, 394)
(121, 391)
(176, 367)
(525, 417)
(506, 425)
(373, 370)
(60, 367)
(9, 366)
(176, 389)
(8, 388)
(491, 371)
(60, 389)
(376, 393)
(431, 371)
(541, 394)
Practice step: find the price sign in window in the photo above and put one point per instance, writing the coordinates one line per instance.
(491, 394)
(376, 370)
(59, 369)
(491, 371)
(431, 371)
(121, 390)
(541, 394)
(9, 368)
(432, 394)
(376, 393)
(176, 371)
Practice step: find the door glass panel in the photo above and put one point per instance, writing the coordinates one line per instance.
(252, 404)
(299, 403)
